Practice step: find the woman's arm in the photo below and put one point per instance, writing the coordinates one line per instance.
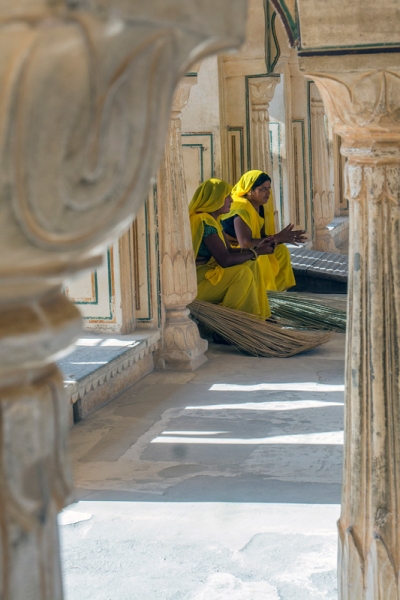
(288, 235)
(226, 258)
(243, 234)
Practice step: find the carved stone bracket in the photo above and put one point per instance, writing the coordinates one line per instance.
(261, 93)
(364, 108)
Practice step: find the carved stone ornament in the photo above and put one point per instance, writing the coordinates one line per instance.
(86, 93)
(261, 93)
(365, 110)
(367, 100)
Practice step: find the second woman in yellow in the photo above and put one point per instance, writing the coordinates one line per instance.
(251, 220)
(227, 276)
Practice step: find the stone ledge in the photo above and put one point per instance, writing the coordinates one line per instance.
(339, 230)
(123, 359)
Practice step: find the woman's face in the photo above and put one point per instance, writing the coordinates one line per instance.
(260, 194)
(226, 207)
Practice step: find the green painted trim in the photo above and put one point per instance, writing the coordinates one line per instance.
(240, 131)
(293, 22)
(267, 11)
(201, 150)
(96, 294)
(158, 259)
(248, 132)
(148, 269)
(110, 316)
(303, 145)
(310, 169)
(280, 168)
(349, 49)
(270, 29)
(278, 50)
(210, 135)
(146, 220)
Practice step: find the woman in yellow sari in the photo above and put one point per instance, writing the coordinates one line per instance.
(251, 220)
(227, 276)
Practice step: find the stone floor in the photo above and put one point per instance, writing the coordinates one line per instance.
(223, 484)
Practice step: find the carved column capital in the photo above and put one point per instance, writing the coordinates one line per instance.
(262, 90)
(363, 105)
(261, 93)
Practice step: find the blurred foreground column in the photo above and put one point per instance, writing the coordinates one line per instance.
(85, 105)
(364, 108)
(182, 346)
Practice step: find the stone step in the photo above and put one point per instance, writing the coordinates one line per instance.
(320, 272)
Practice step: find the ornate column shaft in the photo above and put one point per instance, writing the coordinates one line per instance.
(323, 196)
(85, 102)
(261, 93)
(365, 111)
(182, 348)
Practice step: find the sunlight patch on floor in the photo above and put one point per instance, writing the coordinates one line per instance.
(286, 405)
(310, 386)
(325, 438)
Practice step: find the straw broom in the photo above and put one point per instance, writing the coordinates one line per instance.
(252, 336)
(303, 312)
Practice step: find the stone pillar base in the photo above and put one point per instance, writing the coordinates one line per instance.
(183, 348)
(324, 241)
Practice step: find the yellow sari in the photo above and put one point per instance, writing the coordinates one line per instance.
(240, 286)
(276, 268)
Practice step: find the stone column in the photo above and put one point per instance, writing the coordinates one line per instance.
(182, 346)
(323, 202)
(365, 110)
(86, 96)
(261, 93)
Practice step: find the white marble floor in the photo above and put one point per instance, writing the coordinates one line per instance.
(221, 484)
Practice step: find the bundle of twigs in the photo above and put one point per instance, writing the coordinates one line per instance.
(253, 336)
(301, 311)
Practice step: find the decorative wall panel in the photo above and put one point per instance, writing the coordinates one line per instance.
(147, 265)
(236, 153)
(300, 175)
(94, 292)
(198, 159)
(276, 144)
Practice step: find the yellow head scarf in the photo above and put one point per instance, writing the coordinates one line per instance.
(242, 207)
(209, 197)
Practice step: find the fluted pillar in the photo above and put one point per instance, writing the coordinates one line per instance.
(261, 93)
(365, 110)
(182, 346)
(85, 99)
(323, 201)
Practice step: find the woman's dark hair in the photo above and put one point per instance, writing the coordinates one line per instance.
(260, 180)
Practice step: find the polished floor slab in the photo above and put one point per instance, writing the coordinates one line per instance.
(218, 484)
